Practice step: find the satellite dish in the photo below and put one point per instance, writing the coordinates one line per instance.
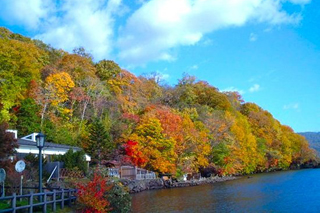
(2, 175)
(20, 166)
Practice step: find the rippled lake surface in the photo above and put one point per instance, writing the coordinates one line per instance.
(288, 191)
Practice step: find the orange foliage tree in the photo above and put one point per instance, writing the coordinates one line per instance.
(156, 146)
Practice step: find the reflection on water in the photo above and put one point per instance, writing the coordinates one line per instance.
(290, 191)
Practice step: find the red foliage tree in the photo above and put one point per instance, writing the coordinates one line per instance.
(7, 142)
(136, 156)
(92, 195)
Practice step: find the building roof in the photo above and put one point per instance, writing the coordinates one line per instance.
(27, 146)
(47, 145)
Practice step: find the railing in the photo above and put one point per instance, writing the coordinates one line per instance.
(135, 173)
(53, 198)
(151, 175)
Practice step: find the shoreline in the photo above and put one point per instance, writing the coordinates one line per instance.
(137, 186)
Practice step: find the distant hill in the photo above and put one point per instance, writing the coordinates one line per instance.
(313, 138)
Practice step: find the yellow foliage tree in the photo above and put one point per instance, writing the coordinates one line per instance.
(245, 149)
(55, 92)
(157, 148)
(58, 86)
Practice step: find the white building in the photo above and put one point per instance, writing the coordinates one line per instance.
(27, 145)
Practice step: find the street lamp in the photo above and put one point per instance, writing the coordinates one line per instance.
(40, 139)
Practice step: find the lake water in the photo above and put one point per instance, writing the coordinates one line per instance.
(288, 191)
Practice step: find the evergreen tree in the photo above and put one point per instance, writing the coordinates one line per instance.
(99, 144)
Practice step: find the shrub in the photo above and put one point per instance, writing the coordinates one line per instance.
(119, 197)
(92, 195)
(74, 160)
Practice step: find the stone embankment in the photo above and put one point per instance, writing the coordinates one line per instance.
(136, 186)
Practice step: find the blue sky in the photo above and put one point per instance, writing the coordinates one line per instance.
(268, 50)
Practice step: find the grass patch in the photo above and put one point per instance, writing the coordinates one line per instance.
(4, 205)
(7, 205)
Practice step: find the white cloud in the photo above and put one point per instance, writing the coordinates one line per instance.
(68, 24)
(26, 13)
(254, 88)
(158, 26)
(86, 23)
(253, 37)
(152, 32)
(294, 106)
(233, 89)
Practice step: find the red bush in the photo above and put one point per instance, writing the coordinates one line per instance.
(92, 195)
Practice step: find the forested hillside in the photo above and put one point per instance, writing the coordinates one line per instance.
(313, 139)
(113, 114)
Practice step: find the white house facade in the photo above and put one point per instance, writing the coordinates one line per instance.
(27, 145)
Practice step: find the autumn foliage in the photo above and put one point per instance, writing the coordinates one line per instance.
(113, 114)
(136, 156)
(92, 195)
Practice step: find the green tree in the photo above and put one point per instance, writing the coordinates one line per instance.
(74, 160)
(99, 144)
(220, 153)
(20, 62)
(28, 119)
(107, 69)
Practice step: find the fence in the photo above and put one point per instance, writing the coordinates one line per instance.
(42, 200)
(151, 175)
(127, 172)
(61, 172)
(136, 173)
(67, 173)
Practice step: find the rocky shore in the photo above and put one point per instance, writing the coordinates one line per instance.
(136, 186)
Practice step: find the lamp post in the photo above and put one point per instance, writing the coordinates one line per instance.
(40, 139)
